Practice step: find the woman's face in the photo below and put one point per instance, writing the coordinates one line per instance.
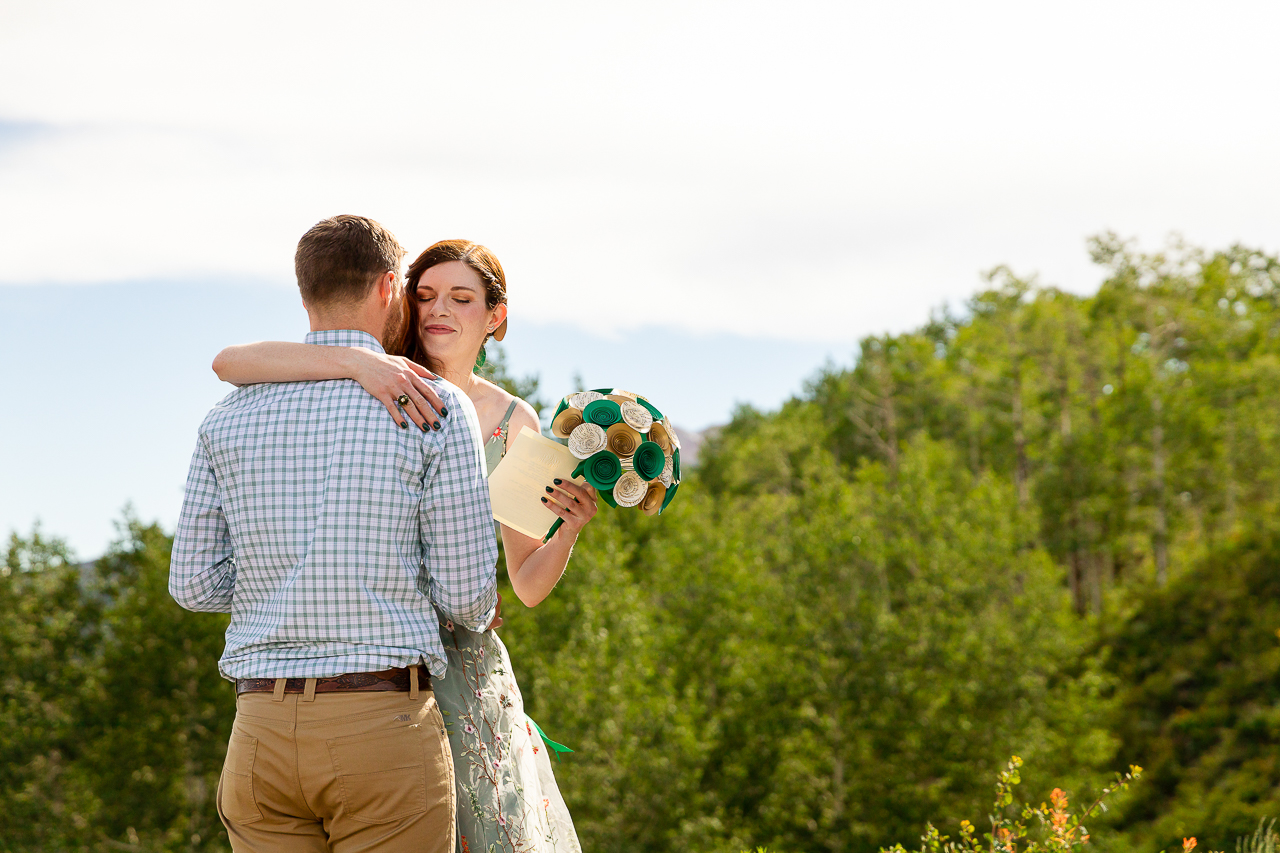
(452, 316)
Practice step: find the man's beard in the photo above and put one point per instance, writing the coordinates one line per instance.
(393, 331)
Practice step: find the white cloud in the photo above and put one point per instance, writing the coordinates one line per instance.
(808, 171)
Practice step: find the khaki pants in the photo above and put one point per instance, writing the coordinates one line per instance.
(341, 772)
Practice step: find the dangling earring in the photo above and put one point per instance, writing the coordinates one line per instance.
(480, 359)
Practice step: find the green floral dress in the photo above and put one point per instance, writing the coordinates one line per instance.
(507, 794)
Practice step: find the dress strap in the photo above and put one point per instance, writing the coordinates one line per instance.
(506, 419)
(496, 447)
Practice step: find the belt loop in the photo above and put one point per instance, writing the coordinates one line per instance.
(413, 683)
(309, 691)
(277, 695)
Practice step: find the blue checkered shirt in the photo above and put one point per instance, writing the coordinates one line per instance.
(327, 532)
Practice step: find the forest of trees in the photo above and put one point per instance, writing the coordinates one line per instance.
(1045, 527)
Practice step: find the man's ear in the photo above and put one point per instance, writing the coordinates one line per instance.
(387, 288)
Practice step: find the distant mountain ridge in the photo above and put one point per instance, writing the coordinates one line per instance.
(691, 443)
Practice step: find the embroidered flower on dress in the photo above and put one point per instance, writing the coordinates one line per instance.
(479, 695)
(465, 848)
(546, 803)
(448, 626)
(496, 765)
(469, 729)
(498, 737)
(501, 819)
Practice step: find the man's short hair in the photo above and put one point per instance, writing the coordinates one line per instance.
(342, 257)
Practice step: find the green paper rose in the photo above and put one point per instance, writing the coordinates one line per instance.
(601, 470)
(603, 413)
(649, 460)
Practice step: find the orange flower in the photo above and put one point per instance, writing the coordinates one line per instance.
(1188, 844)
(1059, 813)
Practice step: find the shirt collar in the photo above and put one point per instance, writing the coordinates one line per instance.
(345, 338)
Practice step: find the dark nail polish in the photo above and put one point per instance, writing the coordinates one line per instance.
(436, 425)
(544, 500)
(557, 482)
(424, 427)
(404, 425)
(549, 489)
(443, 411)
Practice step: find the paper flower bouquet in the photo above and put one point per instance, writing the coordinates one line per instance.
(629, 452)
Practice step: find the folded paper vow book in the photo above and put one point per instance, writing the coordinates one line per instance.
(518, 484)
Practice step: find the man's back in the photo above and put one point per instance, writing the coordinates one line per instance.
(319, 527)
(339, 524)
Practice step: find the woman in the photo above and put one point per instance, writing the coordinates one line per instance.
(456, 300)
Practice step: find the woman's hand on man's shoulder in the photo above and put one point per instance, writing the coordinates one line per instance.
(401, 386)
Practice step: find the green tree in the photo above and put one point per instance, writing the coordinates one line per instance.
(1197, 666)
(47, 640)
(156, 723)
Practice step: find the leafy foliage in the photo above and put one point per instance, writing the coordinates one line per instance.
(1199, 665)
(115, 718)
(1055, 826)
(46, 642)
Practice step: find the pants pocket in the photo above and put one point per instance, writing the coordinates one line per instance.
(236, 800)
(382, 776)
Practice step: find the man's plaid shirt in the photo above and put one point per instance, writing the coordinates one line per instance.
(327, 531)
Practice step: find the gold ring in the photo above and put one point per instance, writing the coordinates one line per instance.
(403, 399)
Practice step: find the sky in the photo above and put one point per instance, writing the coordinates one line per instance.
(703, 202)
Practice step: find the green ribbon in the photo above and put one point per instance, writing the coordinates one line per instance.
(604, 413)
(601, 470)
(675, 464)
(557, 748)
(607, 497)
(564, 404)
(649, 460)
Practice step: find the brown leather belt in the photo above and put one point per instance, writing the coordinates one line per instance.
(352, 682)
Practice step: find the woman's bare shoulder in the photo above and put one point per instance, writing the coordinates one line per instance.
(488, 396)
(496, 400)
(524, 416)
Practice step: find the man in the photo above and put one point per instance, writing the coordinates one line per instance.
(326, 532)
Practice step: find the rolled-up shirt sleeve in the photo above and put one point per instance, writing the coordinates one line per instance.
(459, 547)
(202, 567)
